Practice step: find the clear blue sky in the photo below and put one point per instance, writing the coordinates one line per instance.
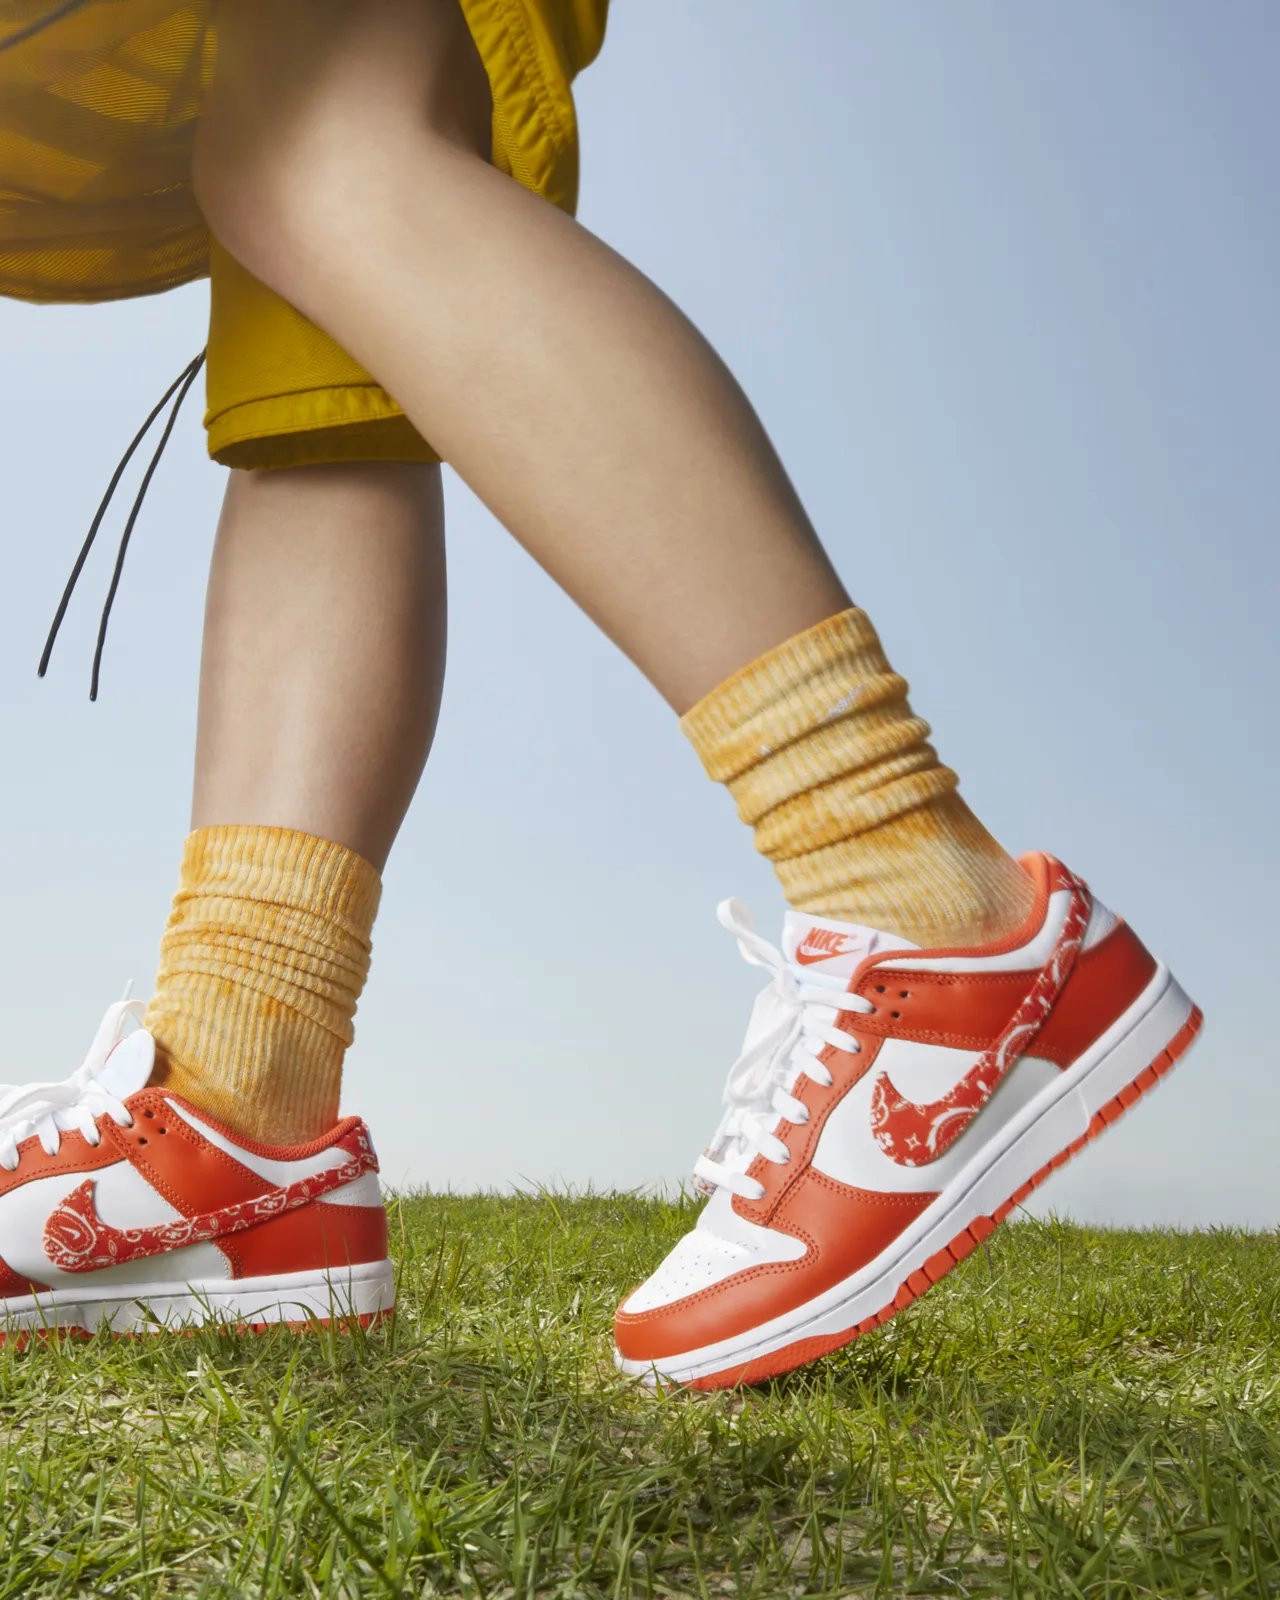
(1001, 280)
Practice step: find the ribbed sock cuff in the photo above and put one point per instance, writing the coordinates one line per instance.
(263, 962)
(279, 866)
(828, 764)
(841, 666)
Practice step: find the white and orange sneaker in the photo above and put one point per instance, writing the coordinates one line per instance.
(123, 1207)
(891, 1106)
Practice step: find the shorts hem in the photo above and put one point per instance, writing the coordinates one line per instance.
(535, 134)
(345, 423)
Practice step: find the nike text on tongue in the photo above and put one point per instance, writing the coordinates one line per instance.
(839, 948)
(823, 944)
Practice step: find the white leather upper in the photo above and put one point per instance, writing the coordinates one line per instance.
(365, 1191)
(721, 1244)
(283, 1172)
(847, 1149)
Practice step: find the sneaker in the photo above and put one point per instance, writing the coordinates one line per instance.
(891, 1106)
(123, 1207)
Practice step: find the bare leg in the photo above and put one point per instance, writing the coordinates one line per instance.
(324, 651)
(567, 390)
(343, 158)
(323, 660)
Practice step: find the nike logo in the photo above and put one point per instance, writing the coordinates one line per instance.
(78, 1240)
(823, 944)
(912, 1134)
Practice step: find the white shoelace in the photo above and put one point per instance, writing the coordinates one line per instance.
(69, 1105)
(792, 1022)
(50, 1120)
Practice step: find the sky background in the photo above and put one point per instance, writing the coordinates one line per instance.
(1001, 280)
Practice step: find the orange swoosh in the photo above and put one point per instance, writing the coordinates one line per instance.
(78, 1240)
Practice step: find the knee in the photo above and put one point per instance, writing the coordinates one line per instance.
(313, 110)
(262, 189)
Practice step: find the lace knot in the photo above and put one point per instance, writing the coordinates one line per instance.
(791, 1026)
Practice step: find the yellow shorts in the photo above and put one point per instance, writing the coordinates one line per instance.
(98, 108)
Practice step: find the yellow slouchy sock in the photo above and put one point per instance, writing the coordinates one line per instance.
(262, 963)
(820, 749)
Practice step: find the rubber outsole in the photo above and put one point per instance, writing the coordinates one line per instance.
(362, 1293)
(786, 1359)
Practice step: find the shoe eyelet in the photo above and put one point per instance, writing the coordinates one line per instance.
(162, 1130)
(148, 1114)
(142, 1141)
(879, 988)
(904, 994)
(895, 1015)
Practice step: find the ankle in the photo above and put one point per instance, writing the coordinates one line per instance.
(261, 966)
(934, 876)
(305, 1111)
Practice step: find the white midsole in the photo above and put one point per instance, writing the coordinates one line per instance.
(353, 1291)
(1044, 1127)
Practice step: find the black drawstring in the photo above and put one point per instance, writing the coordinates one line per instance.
(181, 383)
(47, 21)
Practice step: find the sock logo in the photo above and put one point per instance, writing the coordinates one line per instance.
(78, 1240)
(913, 1134)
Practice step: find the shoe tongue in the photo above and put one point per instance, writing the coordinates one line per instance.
(111, 1030)
(128, 1068)
(833, 949)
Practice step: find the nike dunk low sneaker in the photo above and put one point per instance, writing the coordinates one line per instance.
(123, 1207)
(891, 1106)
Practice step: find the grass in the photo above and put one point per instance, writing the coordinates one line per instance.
(1071, 1413)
